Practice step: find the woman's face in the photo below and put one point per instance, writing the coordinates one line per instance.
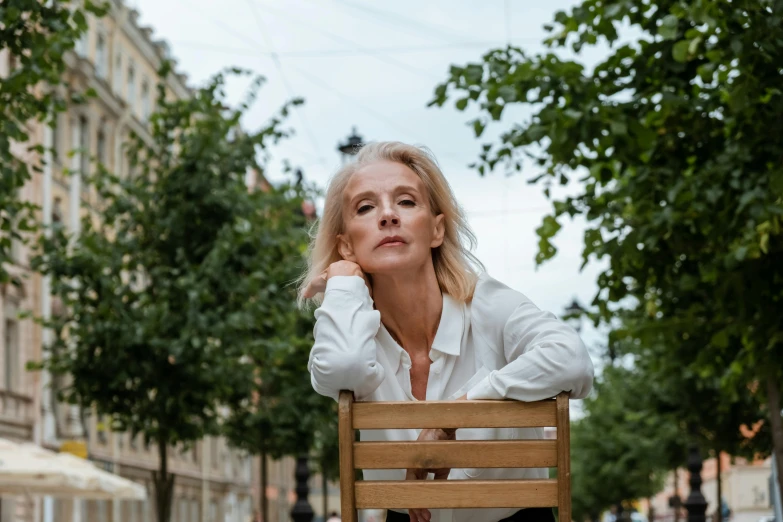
(389, 226)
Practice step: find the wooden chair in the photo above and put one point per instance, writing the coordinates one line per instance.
(373, 494)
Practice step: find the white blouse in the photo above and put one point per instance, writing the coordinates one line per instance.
(498, 346)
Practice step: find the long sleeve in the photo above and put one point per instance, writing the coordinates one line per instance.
(544, 355)
(344, 354)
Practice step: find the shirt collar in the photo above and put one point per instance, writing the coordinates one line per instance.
(448, 338)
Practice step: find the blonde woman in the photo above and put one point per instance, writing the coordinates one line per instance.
(407, 314)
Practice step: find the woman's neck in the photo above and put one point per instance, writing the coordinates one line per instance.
(410, 305)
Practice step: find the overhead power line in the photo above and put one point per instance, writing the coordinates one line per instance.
(394, 20)
(319, 53)
(265, 33)
(387, 59)
(367, 108)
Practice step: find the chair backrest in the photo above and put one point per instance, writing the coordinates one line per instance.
(402, 494)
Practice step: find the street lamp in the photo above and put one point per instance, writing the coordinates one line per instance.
(573, 314)
(350, 148)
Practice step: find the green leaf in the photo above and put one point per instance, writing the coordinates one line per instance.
(461, 104)
(618, 128)
(680, 51)
(693, 46)
(507, 93)
(668, 27)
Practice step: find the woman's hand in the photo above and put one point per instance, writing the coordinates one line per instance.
(424, 515)
(338, 268)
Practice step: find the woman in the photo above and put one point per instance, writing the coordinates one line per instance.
(407, 314)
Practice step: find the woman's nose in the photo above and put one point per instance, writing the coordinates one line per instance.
(389, 217)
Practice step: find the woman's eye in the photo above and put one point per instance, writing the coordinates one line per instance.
(407, 202)
(364, 208)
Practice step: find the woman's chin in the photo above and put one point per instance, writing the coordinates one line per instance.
(390, 267)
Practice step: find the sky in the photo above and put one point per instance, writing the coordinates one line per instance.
(373, 66)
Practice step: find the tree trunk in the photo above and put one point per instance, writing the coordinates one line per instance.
(719, 509)
(264, 481)
(651, 511)
(325, 492)
(676, 494)
(773, 399)
(164, 484)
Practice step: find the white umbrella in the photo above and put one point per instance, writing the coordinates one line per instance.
(30, 469)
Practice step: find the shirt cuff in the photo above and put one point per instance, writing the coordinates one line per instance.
(484, 390)
(352, 284)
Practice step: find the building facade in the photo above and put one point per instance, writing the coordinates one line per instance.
(745, 489)
(118, 59)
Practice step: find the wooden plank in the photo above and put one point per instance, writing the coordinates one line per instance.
(434, 494)
(346, 441)
(563, 459)
(456, 454)
(453, 414)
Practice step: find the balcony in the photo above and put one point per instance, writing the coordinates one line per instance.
(17, 415)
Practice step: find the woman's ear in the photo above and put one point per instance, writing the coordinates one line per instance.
(345, 248)
(439, 232)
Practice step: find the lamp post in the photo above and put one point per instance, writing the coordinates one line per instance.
(302, 511)
(351, 147)
(696, 504)
(573, 314)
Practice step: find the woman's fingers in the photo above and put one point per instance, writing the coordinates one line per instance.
(338, 268)
(418, 515)
(315, 286)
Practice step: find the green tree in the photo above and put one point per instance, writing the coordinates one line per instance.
(36, 36)
(287, 417)
(709, 414)
(674, 138)
(168, 288)
(623, 447)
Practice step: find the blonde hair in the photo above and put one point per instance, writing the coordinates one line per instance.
(456, 268)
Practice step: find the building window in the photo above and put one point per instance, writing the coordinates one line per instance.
(84, 147)
(183, 510)
(195, 511)
(57, 210)
(81, 44)
(135, 509)
(101, 57)
(131, 90)
(8, 508)
(146, 101)
(101, 145)
(56, 139)
(11, 352)
(102, 510)
(213, 511)
(15, 252)
(117, 76)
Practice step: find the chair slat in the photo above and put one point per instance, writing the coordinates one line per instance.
(347, 477)
(435, 494)
(456, 454)
(454, 414)
(563, 458)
